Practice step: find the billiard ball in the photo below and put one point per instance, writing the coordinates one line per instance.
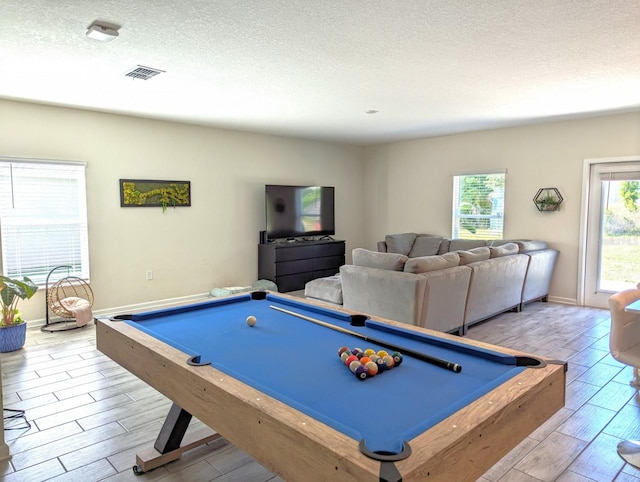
(389, 360)
(361, 372)
(372, 368)
(382, 366)
(397, 358)
(342, 350)
(251, 320)
(351, 358)
(354, 365)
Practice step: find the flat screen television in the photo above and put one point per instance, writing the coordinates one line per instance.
(299, 211)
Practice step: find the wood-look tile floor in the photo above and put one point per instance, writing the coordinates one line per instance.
(89, 417)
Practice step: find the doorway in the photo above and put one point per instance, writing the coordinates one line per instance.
(612, 243)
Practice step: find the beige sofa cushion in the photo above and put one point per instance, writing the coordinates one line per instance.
(472, 255)
(425, 264)
(495, 286)
(400, 243)
(325, 289)
(373, 259)
(425, 246)
(504, 250)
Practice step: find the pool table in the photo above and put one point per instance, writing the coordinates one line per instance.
(280, 391)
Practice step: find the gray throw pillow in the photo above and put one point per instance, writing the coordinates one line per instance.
(425, 264)
(472, 255)
(445, 246)
(373, 259)
(504, 250)
(400, 243)
(425, 246)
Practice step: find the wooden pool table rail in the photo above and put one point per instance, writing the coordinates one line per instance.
(298, 447)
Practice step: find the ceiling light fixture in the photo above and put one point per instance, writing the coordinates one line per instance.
(102, 31)
(371, 111)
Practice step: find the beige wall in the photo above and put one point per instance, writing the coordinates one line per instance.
(190, 249)
(397, 187)
(408, 185)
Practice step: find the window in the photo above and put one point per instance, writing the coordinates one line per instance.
(478, 205)
(43, 218)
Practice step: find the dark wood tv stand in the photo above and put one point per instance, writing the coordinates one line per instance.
(290, 265)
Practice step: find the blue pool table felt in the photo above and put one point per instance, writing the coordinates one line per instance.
(296, 361)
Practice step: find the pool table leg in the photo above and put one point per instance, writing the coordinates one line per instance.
(171, 442)
(173, 429)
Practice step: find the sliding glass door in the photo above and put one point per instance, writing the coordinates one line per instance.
(612, 261)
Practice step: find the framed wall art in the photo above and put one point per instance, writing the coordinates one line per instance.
(151, 193)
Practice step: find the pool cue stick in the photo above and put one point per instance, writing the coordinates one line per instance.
(454, 367)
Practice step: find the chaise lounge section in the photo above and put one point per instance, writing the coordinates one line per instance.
(414, 291)
(439, 283)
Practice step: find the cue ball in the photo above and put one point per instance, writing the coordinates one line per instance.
(251, 320)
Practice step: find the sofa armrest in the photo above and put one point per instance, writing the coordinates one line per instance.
(433, 300)
(395, 295)
(539, 274)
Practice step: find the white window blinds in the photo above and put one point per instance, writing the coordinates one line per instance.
(478, 205)
(43, 218)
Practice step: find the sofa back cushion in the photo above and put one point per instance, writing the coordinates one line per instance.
(466, 244)
(373, 259)
(424, 264)
(480, 253)
(425, 246)
(500, 242)
(504, 250)
(532, 245)
(400, 243)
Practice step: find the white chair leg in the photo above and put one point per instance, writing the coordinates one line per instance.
(629, 450)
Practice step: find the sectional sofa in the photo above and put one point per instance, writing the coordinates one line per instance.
(439, 283)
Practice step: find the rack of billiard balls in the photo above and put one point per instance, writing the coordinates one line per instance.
(368, 363)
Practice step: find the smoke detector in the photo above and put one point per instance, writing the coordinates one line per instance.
(102, 31)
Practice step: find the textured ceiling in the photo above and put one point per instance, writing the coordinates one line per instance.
(312, 68)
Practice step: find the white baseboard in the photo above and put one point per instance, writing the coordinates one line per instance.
(564, 301)
(149, 305)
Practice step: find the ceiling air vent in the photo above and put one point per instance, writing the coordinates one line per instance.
(143, 73)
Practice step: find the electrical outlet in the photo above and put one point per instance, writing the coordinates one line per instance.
(149, 275)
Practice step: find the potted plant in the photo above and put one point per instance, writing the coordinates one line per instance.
(13, 328)
(547, 204)
(548, 199)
